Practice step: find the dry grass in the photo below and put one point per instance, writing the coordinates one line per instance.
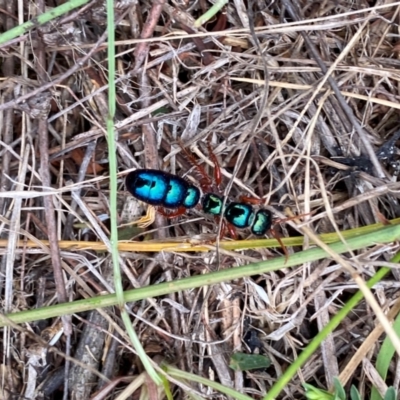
(300, 103)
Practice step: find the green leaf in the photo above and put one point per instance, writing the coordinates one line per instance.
(247, 362)
(390, 394)
(313, 393)
(160, 111)
(384, 358)
(354, 393)
(339, 390)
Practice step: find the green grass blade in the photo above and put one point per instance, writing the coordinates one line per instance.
(332, 324)
(112, 152)
(385, 356)
(41, 20)
(384, 235)
(214, 9)
(182, 375)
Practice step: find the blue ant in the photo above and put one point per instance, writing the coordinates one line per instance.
(165, 190)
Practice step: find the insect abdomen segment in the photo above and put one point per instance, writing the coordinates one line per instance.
(160, 188)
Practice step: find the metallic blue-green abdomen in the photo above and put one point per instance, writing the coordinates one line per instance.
(212, 204)
(262, 223)
(240, 215)
(192, 197)
(162, 189)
